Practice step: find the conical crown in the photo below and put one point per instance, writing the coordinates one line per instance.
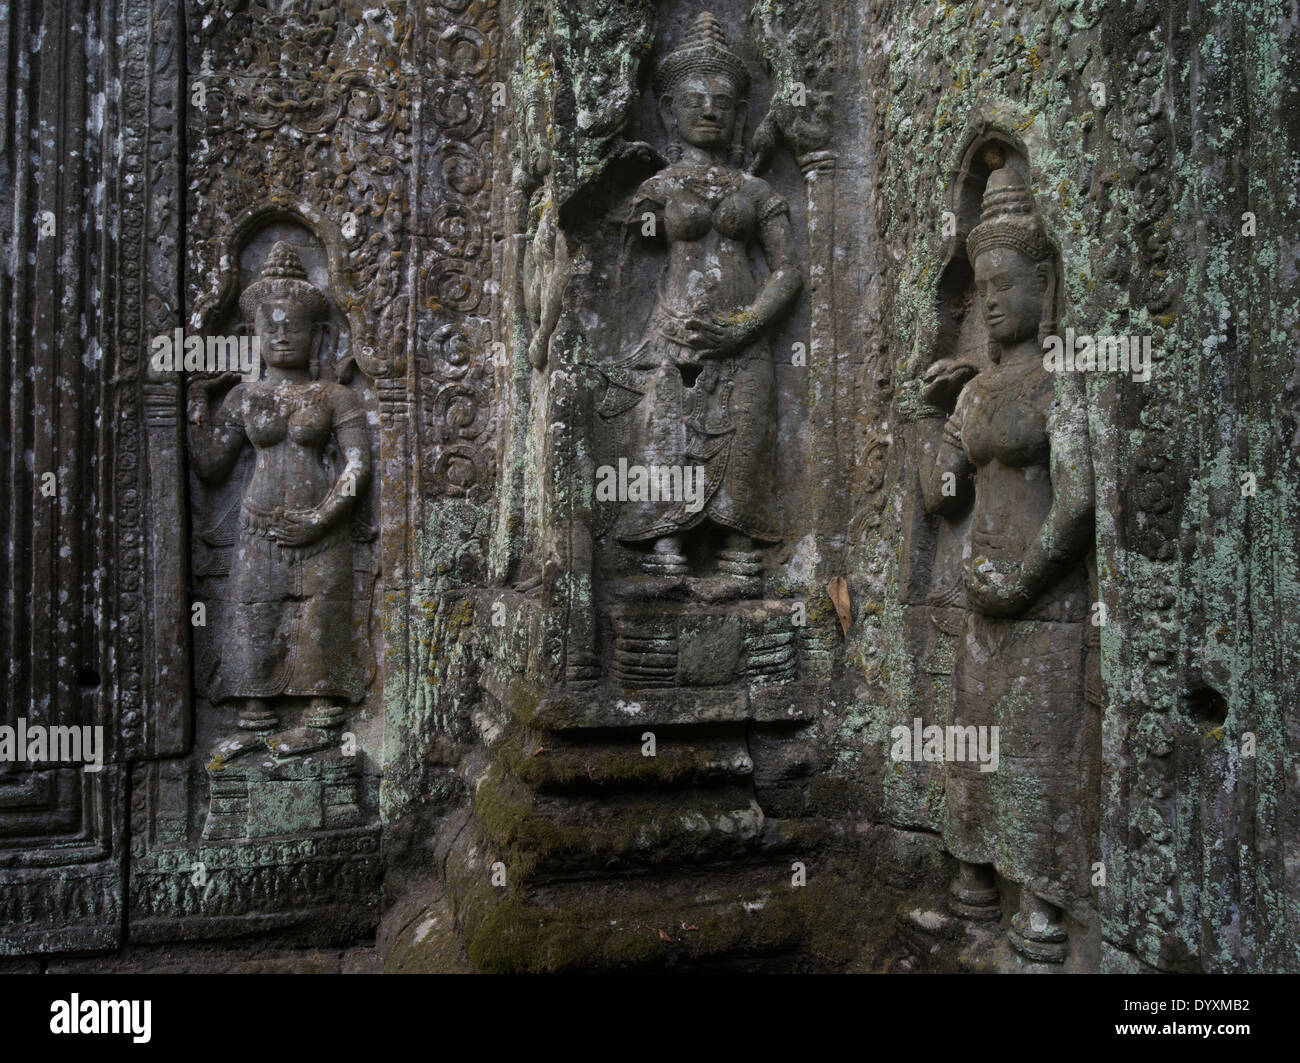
(1007, 219)
(283, 277)
(704, 50)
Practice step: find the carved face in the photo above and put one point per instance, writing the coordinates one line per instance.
(705, 111)
(284, 326)
(1010, 288)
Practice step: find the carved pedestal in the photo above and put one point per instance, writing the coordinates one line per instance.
(315, 889)
(268, 797)
(659, 817)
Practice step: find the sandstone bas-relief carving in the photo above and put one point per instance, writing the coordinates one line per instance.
(697, 392)
(289, 645)
(546, 266)
(379, 128)
(1014, 451)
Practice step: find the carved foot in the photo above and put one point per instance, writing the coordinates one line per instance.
(649, 588)
(741, 563)
(256, 716)
(666, 558)
(1037, 931)
(665, 565)
(528, 584)
(740, 572)
(975, 893)
(299, 740)
(324, 715)
(235, 746)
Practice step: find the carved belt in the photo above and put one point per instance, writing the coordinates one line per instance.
(259, 522)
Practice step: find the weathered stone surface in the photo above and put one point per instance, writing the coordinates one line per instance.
(665, 484)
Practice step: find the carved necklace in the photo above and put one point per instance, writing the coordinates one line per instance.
(712, 185)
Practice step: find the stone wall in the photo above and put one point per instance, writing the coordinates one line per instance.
(1166, 192)
(372, 631)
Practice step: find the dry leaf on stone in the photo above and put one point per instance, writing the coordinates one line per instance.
(838, 589)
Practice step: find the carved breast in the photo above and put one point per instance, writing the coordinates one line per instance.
(264, 421)
(309, 424)
(1008, 421)
(735, 217)
(302, 413)
(687, 218)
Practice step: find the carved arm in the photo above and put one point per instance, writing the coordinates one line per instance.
(215, 443)
(355, 476)
(728, 333)
(546, 281)
(946, 472)
(947, 476)
(1068, 527)
(786, 278)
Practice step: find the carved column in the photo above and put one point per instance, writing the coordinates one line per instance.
(818, 169)
(68, 489)
(796, 42)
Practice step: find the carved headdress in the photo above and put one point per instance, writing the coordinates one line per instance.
(703, 51)
(1007, 218)
(283, 277)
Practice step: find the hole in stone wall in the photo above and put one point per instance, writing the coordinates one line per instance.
(1207, 706)
(87, 677)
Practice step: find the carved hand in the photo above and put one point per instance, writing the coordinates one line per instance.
(196, 402)
(994, 588)
(300, 527)
(944, 380)
(715, 339)
(639, 151)
(198, 395)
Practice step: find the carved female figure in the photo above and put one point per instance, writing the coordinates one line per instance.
(699, 389)
(289, 594)
(1019, 458)
(546, 266)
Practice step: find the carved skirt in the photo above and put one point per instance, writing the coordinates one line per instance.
(1033, 818)
(724, 420)
(289, 626)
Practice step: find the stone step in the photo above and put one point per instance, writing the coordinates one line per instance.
(675, 707)
(557, 836)
(737, 919)
(607, 707)
(552, 763)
